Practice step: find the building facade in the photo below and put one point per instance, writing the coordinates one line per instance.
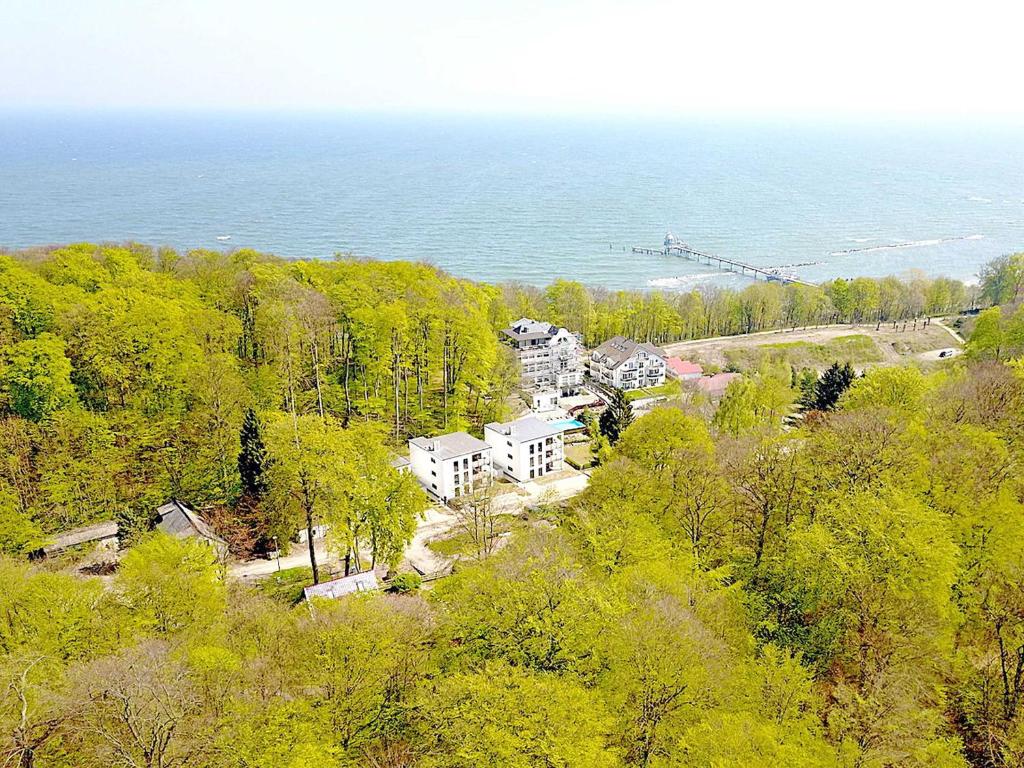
(549, 356)
(525, 449)
(626, 364)
(451, 465)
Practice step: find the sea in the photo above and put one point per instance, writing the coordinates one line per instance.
(524, 199)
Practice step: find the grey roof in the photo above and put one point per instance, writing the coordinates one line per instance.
(450, 446)
(73, 538)
(399, 462)
(526, 428)
(178, 520)
(346, 585)
(619, 349)
(525, 329)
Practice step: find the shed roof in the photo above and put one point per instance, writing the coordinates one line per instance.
(84, 535)
(178, 520)
(346, 585)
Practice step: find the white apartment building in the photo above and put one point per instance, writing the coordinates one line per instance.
(525, 449)
(625, 364)
(549, 356)
(450, 466)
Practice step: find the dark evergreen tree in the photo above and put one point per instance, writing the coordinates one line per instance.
(616, 417)
(830, 387)
(252, 460)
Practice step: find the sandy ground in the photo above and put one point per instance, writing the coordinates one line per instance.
(439, 521)
(935, 337)
(297, 557)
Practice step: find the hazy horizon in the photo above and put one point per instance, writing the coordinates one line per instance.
(881, 61)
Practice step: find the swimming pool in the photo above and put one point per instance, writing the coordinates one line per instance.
(567, 425)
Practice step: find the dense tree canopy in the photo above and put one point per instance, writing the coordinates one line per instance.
(736, 589)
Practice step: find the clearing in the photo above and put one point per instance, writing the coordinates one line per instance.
(860, 345)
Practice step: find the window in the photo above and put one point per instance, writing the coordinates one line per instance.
(510, 457)
(531, 474)
(433, 460)
(508, 443)
(433, 473)
(434, 486)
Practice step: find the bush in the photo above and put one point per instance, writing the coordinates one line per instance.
(404, 582)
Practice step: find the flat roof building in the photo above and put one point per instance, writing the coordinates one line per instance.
(452, 465)
(525, 449)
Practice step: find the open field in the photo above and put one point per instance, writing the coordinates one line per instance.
(860, 345)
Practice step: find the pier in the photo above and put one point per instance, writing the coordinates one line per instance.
(674, 247)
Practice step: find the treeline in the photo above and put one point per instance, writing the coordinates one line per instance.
(126, 371)
(846, 594)
(661, 317)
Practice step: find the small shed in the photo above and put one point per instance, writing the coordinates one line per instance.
(101, 535)
(176, 519)
(346, 585)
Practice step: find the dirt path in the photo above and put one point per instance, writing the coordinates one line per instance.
(893, 345)
(298, 557)
(439, 521)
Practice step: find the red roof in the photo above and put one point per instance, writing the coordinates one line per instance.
(715, 385)
(684, 367)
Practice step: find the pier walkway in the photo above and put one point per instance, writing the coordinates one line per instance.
(676, 248)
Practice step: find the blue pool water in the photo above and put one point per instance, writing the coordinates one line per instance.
(567, 424)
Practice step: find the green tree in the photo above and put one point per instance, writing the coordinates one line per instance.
(508, 717)
(1002, 279)
(987, 338)
(253, 459)
(616, 417)
(900, 388)
(309, 477)
(37, 377)
(19, 534)
(172, 583)
(830, 387)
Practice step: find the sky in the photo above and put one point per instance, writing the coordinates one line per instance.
(895, 58)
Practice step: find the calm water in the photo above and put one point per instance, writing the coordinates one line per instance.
(517, 199)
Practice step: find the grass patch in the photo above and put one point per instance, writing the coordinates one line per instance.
(668, 389)
(578, 455)
(856, 349)
(286, 586)
(461, 544)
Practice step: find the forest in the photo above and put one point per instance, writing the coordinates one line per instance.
(733, 589)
